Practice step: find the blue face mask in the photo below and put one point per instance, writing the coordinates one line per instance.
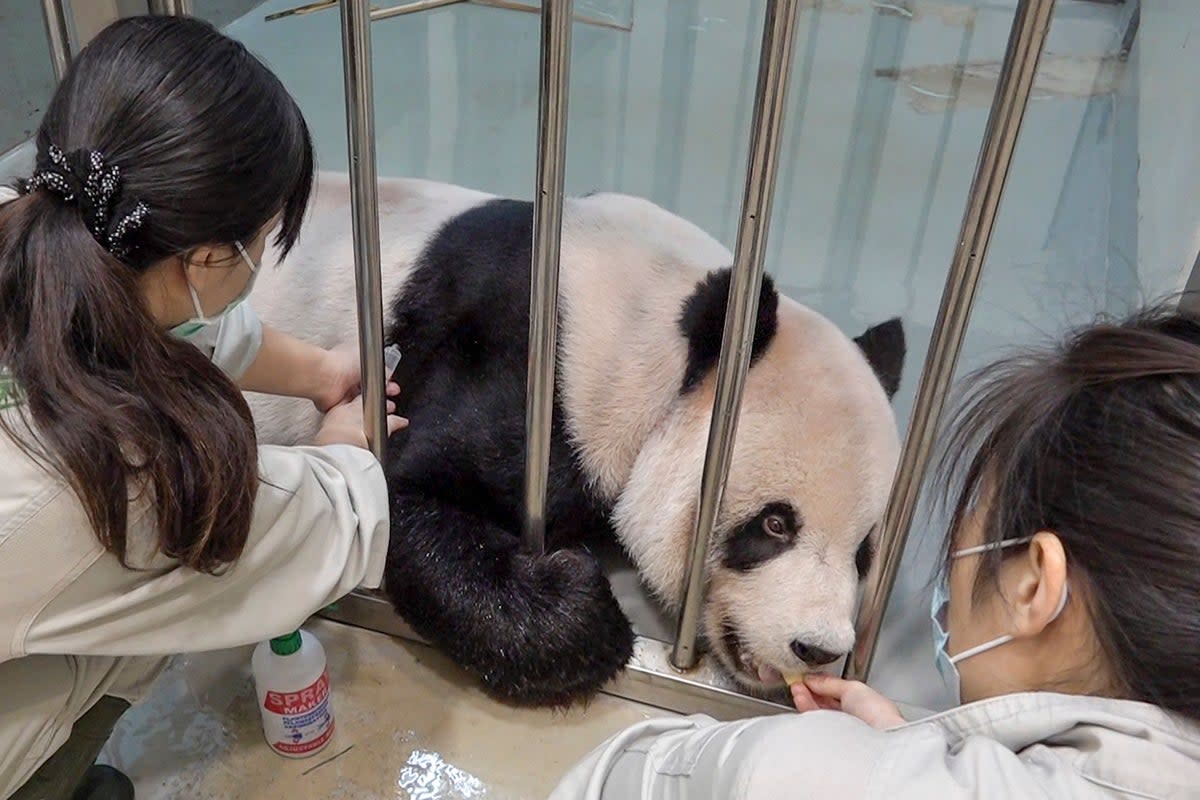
(191, 327)
(940, 608)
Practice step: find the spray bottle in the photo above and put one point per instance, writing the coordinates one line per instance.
(292, 683)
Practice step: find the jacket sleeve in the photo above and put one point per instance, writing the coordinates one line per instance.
(320, 528)
(829, 754)
(815, 755)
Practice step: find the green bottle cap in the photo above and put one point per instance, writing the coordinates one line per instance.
(286, 645)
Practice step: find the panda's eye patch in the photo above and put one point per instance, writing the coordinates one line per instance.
(769, 533)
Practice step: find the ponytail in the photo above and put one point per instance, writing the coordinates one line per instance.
(117, 407)
(165, 135)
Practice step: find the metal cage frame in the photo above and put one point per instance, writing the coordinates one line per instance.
(673, 676)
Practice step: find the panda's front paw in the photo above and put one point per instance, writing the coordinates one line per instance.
(576, 639)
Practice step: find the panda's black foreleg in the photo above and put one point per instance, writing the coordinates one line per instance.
(543, 631)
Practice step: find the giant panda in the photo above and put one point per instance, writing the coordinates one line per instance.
(642, 300)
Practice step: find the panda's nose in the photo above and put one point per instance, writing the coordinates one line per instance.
(813, 656)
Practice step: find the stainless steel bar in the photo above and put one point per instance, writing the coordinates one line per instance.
(770, 100)
(429, 5)
(376, 13)
(55, 14)
(1189, 298)
(543, 284)
(1031, 22)
(647, 678)
(364, 205)
(171, 8)
(411, 8)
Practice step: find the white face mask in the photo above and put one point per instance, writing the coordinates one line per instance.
(199, 322)
(940, 607)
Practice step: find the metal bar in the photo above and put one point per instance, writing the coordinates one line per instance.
(55, 14)
(171, 8)
(1189, 299)
(1131, 30)
(364, 205)
(411, 8)
(429, 5)
(770, 99)
(868, 132)
(1031, 22)
(543, 277)
(647, 678)
(939, 161)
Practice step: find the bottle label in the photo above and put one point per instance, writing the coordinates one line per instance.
(299, 723)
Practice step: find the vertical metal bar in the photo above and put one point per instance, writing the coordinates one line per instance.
(867, 135)
(55, 14)
(171, 8)
(770, 100)
(364, 206)
(543, 284)
(1031, 23)
(1189, 300)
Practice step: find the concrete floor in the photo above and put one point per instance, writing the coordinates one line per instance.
(409, 726)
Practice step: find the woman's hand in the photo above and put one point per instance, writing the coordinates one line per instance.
(340, 379)
(344, 424)
(820, 691)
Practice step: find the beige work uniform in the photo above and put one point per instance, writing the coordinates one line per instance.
(76, 625)
(1033, 746)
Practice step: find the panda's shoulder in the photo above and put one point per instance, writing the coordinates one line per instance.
(612, 214)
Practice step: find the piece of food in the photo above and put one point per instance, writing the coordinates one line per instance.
(792, 677)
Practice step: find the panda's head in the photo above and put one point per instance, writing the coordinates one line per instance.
(812, 465)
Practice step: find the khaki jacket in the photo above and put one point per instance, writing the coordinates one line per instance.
(1017, 747)
(76, 625)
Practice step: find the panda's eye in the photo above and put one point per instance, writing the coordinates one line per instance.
(775, 526)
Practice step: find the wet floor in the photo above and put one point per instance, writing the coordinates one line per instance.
(409, 726)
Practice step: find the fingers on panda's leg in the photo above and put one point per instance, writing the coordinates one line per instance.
(543, 631)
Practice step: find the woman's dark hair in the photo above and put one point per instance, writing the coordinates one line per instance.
(213, 146)
(1098, 441)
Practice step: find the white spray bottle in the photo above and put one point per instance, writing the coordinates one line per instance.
(292, 684)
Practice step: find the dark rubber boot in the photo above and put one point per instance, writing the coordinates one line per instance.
(102, 782)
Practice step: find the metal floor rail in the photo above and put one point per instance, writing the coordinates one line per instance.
(649, 677)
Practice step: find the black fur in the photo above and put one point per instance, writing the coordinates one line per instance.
(864, 557)
(703, 323)
(537, 630)
(884, 347)
(750, 544)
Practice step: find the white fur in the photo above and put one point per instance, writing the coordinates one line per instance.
(815, 429)
(311, 294)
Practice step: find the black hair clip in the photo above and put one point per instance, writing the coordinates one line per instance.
(84, 179)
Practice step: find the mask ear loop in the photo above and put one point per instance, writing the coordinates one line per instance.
(1008, 637)
(246, 257)
(984, 548)
(200, 317)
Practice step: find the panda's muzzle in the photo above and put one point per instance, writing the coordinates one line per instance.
(740, 658)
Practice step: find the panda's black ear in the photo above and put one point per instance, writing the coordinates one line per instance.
(703, 322)
(884, 347)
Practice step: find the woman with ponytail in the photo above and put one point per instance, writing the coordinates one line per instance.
(139, 517)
